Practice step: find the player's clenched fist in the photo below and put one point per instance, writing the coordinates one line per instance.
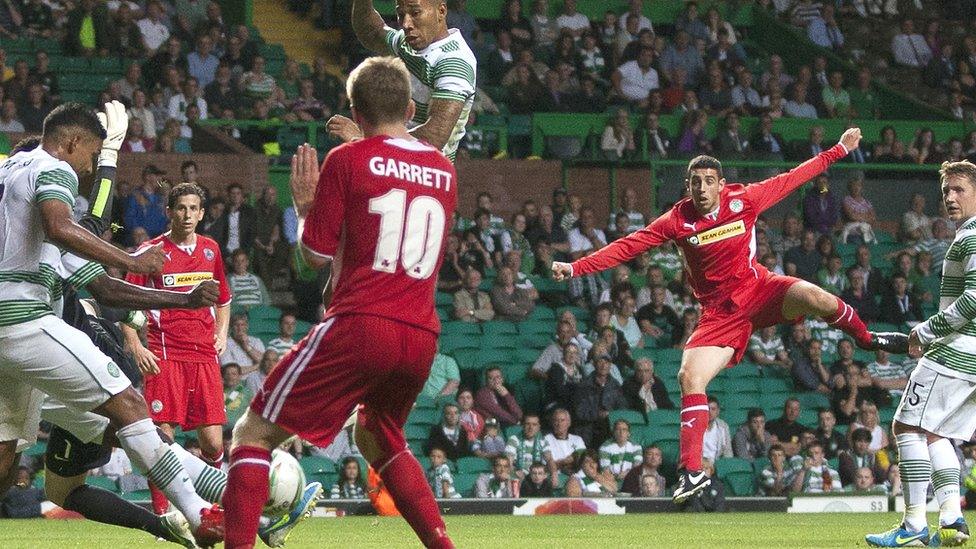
(204, 294)
(851, 138)
(561, 271)
(343, 128)
(148, 260)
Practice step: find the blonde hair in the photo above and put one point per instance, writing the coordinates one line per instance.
(379, 90)
(963, 168)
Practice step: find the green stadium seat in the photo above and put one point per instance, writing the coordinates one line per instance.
(499, 327)
(808, 417)
(812, 401)
(416, 431)
(416, 447)
(532, 327)
(774, 385)
(264, 313)
(667, 355)
(528, 393)
(454, 342)
(312, 465)
(734, 417)
(473, 465)
(37, 449)
(424, 401)
(499, 341)
(745, 370)
(443, 298)
(633, 417)
(464, 483)
(137, 495)
(515, 372)
(661, 418)
(424, 462)
(424, 416)
(18, 45)
(526, 356)
(272, 51)
(741, 386)
(582, 315)
(491, 357)
(666, 370)
(467, 358)
(457, 327)
(772, 401)
(541, 312)
(535, 341)
(104, 483)
(106, 65)
(738, 476)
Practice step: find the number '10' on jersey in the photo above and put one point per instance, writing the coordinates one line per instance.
(382, 211)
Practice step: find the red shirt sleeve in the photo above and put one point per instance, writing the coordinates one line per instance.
(323, 225)
(766, 193)
(620, 251)
(221, 277)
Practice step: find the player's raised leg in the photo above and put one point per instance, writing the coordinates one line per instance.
(699, 365)
(805, 299)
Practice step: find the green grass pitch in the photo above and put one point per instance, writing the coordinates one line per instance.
(494, 531)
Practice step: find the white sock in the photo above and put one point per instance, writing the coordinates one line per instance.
(945, 480)
(154, 458)
(208, 482)
(916, 472)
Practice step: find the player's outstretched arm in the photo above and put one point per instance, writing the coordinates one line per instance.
(116, 122)
(619, 251)
(61, 229)
(442, 116)
(118, 293)
(304, 181)
(767, 193)
(953, 318)
(369, 26)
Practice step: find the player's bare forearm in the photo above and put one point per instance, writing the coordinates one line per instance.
(442, 116)
(369, 26)
(223, 320)
(130, 336)
(62, 230)
(113, 292)
(618, 252)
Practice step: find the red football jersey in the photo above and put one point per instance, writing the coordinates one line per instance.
(719, 248)
(382, 211)
(184, 334)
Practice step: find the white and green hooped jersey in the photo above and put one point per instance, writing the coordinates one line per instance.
(443, 70)
(952, 332)
(28, 263)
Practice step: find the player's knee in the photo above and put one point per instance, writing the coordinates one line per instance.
(254, 430)
(57, 488)
(124, 408)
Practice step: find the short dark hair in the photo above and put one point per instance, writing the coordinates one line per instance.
(72, 116)
(379, 90)
(754, 413)
(711, 399)
(861, 434)
(186, 164)
(237, 252)
(233, 186)
(773, 448)
(28, 143)
(230, 365)
(704, 162)
(186, 189)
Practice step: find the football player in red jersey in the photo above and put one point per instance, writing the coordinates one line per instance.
(714, 227)
(379, 217)
(183, 385)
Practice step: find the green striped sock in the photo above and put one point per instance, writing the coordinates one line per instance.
(210, 484)
(916, 473)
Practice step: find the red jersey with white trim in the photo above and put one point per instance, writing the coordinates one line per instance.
(382, 211)
(719, 248)
(184, 334)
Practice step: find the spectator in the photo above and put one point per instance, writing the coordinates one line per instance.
(490, 444)
(915, 225)
(590, 477)
(306, 106)
(544, 29)
(786, 429)
(242, 349)
(180, 103)
(857, 297)
(899, 305)
(563, 446)
(23, 500)
(549, 231)
(35, 109)
(584, 240)
(255, 380)
(563, 378)
(909, 48)
(775, 76)
(473, 422)
(777, 477)
(201, 63)
(714, 94)
(718, 439)
(804, 261)
(745, 99)
(88, 30)
(498, 483)
(513, 22)
(651, 460)
(439, 475)
(832, 440)
(751, 441)
(153, 27)
(797, 106)
(528, 448)
(537, 483)
(449, 435)
(16, 87)
(444, 378)
(595, 397)
(809, 372)
(864, 102)
(553, 353)
(766, 143)
(214, 223)
(940, 71)
(349, 485)
(145, 206)
(237, 397)
(888, 375)
(126, 40)
(42, 74)
(924, 149)
(508, 301)
(835, 98)
(8, 118)
(867, 418)
(815, 476)
(823, 30)
(269, 250)
(470, 303)
(634, 80)
(130, 81)
(766, 349)
(725, 51)
(617, 141)
(619, 455)
(37, 19)
(495, 400)
(694, 140)
(140, 111)
(240, 220)
(858, 212)
(255, 83)
(658, 322)
(850, 461)
(135, 138)
(572, 21)
(635, 10)
(247, 288)
(689, 22)
(683, 55)
(222, 94)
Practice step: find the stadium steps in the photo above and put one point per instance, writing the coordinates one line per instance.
(298, 35)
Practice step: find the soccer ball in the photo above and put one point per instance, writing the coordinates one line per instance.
(287, 482)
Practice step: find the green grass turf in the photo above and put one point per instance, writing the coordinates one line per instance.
(496, 531)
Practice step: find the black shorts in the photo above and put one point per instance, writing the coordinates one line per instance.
(67, 456)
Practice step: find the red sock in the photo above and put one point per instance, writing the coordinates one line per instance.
(694, 422)
(246, 493)
(845, 319)
(215, 461)
(159, 502)
(407, 483)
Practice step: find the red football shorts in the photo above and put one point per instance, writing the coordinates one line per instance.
(345, 361)
(731, 323)
(189, 394)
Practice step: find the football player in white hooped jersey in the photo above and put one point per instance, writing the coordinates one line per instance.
(39, 352)
(442, 69)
